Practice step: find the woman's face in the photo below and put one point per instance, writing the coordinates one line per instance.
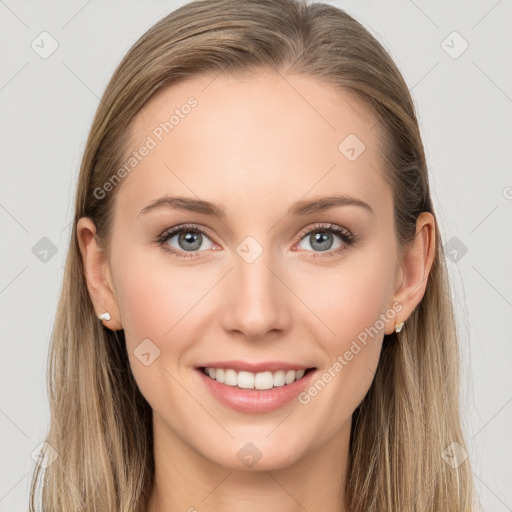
(265, 286)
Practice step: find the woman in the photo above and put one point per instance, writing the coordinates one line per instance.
(256, 313)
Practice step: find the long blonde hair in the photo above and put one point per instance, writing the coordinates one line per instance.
(101, 426)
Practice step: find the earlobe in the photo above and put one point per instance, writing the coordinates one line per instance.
(97, 275)
(416, 265)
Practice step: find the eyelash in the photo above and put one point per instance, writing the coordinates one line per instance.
(346, 237)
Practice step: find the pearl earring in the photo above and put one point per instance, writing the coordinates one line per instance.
(105, 316)
(398, 327)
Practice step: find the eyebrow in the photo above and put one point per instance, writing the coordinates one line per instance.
(299, 208)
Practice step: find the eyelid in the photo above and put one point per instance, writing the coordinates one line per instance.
(327, 227)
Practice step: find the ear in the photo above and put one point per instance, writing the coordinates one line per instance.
(415, 266)
(97, 274)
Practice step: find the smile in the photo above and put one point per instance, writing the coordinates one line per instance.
(258, 381)
(268, 387)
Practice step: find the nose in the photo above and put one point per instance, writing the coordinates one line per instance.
(259, 301)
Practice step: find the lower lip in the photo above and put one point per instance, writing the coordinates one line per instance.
(255, 400)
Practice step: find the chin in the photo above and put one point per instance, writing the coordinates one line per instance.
(260, 454)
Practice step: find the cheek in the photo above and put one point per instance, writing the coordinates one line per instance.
(351, 303)
(348, 300)
(156, 302)
(153, 299)
(352, 309)
(144, 302)
(152, 294)
(166, 304)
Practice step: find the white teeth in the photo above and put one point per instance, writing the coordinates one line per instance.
(230, 378)
(249, 380)
(246, 380)
(289, 377)
(264, 380)
(219, 375)
(279, 378)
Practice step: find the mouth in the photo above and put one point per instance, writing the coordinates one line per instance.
(255, 391)
(255, 380)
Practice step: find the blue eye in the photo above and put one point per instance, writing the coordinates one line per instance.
(321, 239)
(191, 238)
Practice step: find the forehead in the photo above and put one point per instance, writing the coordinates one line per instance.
(251, 141)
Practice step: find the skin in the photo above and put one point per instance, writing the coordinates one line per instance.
(254, 146)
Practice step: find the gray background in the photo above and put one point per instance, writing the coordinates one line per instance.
(465, 107)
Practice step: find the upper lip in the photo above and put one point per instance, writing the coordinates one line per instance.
(269, 366)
